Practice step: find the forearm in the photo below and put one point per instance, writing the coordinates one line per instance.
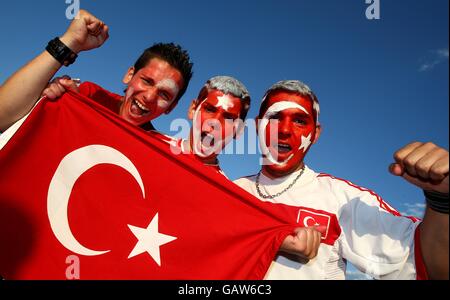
(434, 241)
(21, 91)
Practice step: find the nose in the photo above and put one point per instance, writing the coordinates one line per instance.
(150, 94)
(284, 128)
(218, 116)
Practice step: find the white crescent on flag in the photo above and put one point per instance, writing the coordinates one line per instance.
(73, 166)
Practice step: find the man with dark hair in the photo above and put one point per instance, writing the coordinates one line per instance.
(360, 226)
(154, 84)
(171, 53)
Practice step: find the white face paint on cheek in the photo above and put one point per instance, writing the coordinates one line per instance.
(168, 84)
(197, 135)
(262, 141)
(163, 105)
(274, 109)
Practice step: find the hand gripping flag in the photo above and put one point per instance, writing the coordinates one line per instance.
(77, 181)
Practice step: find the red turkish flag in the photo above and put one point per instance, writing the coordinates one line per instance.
(308, 217)
(82, 185)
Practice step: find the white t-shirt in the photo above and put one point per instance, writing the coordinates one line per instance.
(361, 228)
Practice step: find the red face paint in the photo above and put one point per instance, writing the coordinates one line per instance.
(295, 133)
(150, 92)
(213, 122)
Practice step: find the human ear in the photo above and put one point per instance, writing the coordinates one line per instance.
(192, 108)
(130, 73)
(318, 132)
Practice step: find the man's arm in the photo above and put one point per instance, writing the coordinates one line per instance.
(427, 166)
(21, 91)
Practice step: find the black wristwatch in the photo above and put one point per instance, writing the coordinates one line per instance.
(61, 52)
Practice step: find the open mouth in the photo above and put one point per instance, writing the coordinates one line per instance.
(207, 139)
(283, 148)
(139, 109)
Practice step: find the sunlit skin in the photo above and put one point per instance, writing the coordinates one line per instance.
(292, 125)
(210, 117)
(150, 92)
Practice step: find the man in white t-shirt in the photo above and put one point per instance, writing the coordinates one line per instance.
(360, 226)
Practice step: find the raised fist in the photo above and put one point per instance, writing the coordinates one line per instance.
(86, 32)
(424, 165)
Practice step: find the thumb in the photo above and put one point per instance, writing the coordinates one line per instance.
(439, 186)
(68, 84)
(396, 169)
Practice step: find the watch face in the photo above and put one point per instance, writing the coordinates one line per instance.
(61, 52)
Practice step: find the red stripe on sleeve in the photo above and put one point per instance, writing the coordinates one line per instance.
(383, 204)
(421, 271)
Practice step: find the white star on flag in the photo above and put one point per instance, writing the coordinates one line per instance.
(306, 142)
(224, 101)
(149, 240)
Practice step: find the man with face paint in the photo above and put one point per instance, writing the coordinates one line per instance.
(218, 116)
(360, 226)
(155, 83)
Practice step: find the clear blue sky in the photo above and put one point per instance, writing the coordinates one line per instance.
(381, 83)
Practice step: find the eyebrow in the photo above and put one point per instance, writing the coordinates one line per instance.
(208, 105)
(232, 115)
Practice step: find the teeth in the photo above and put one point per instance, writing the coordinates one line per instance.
(141, 106)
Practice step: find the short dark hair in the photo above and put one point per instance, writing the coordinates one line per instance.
(173, 54)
